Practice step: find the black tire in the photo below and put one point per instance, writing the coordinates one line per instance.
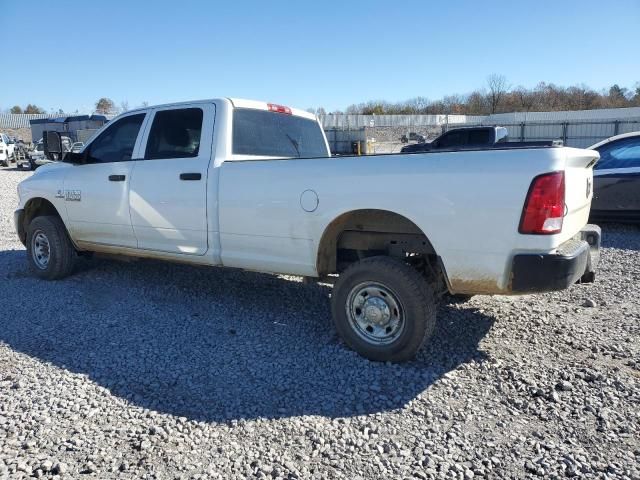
(459, 298)
(413, 295)
(61, 254)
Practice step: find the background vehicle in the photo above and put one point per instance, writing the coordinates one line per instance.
(616, 179)
(413, 136)
(77, 146)
(472, 137)
(33, 155)
(37, 156)
(7, 147)
(257, 189)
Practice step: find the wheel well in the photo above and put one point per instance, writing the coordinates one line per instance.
(37, 207)
(361, 233)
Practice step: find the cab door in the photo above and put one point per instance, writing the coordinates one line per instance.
(96, 192)
(168, 194)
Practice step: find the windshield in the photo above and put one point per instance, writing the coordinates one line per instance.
(39, 147)
(270, 134)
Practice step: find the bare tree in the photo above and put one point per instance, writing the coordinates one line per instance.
(497, 89)
(16, 109)
(105, 106)
(476, 103)
(31, 109)
(453, 104)
(500, 98)
(525, 98)
(124, 106)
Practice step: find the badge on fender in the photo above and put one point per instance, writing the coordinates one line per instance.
(72, 195)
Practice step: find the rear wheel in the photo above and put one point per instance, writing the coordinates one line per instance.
(384, 309)
(49, 250)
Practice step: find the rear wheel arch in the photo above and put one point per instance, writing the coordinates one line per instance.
(372, 227)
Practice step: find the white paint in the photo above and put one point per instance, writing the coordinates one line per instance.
(246, 211)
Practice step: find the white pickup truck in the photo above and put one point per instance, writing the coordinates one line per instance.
(252, 185)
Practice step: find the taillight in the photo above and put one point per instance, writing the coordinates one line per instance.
(279, 108)
(544, 207)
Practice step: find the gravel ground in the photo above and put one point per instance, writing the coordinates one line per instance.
(152, 370)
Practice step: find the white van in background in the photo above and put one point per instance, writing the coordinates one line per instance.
(7, 148)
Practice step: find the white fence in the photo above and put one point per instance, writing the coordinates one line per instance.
(21, 120)
(343, 121)
(574, 134)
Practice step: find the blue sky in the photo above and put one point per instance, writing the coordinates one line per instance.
(306, 54)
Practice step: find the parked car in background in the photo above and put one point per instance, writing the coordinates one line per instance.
(11, 143)
(470, 137)
(616, 179)
(7, 148)
(413, 137)
(36, 156)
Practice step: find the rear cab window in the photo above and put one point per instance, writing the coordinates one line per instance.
(271, 134)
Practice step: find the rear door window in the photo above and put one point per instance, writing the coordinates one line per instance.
(271, 134)
(479, 137)
(453, 139)
(623, 153)
(175, 133)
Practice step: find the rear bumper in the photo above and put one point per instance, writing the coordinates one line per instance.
(18, 221)
(575, 260)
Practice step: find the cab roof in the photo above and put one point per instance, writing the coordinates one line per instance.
(235, 102)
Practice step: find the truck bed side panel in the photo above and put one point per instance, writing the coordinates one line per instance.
(467, 203)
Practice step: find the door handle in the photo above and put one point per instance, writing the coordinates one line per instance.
(116, 178)
(190, 176)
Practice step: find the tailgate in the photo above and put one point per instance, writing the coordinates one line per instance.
(578, 189)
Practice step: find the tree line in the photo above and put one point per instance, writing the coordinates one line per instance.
(104, 106)
(500, 97)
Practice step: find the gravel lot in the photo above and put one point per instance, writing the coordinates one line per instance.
(152, 370)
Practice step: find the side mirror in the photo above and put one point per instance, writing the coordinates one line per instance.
(52, 144)
(75, 158)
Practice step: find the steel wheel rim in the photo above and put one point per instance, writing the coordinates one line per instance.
(375, 313)
(40, 249)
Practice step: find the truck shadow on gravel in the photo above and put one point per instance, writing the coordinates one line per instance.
(216, 345)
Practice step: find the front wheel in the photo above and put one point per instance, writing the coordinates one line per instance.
(49, 250)
(384, 309)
